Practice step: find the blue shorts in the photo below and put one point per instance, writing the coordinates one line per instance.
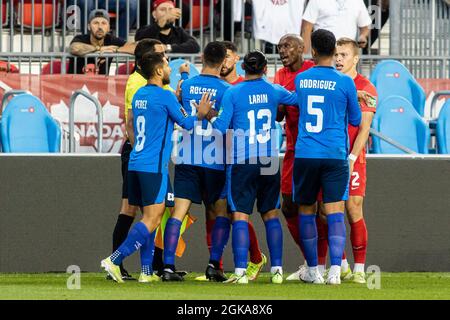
(310, 175)
(246, 184)
(198, 183)
(147, 188)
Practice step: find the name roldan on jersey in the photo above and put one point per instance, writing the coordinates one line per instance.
(201, 90)
(258, 98)
(317, 84)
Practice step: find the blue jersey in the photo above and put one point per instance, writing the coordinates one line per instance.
(250, 108)
(154, 112)
(328, 102)
(202, 146)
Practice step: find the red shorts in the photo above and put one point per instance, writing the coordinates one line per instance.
(286, 174)
(358, 182)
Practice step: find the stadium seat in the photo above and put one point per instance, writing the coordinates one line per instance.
(5, 11)
(443, 129)
(41, 18)
(123, 68)
(397, 119)
(239, 69)
(46, 69)
(27, 126)
(175, 74)
(195, 21)
(8, 67)
(391, 78)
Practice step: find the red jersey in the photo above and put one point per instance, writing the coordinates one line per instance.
(286, 78)
(362, 84)
(239, 80)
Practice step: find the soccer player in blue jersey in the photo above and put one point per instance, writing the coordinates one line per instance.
(250, 108)
(328, 102)
(154, 112)
(199, 170)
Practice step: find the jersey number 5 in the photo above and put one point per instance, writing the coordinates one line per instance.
(315, 111)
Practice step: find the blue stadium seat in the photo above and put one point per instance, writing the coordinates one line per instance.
(175, 75)
(443, 129)
(391, 78)
(397, 119)
(239, 69)
(27, 126)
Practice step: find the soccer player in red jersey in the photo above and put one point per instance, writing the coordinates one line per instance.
(257, 258)
(290, 47)
(347, 58)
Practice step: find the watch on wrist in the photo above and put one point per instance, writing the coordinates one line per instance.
(168, 47)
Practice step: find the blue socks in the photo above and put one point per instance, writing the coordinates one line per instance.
(171, 236)
(336, 237)
(137, 237)
(219, 238)
(308, 236)
(274, 236)
(241, 243)
(146, 253)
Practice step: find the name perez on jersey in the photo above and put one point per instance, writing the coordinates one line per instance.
(317, 84)
(141, 104)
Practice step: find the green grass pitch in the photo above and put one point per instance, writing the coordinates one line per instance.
(94, 286)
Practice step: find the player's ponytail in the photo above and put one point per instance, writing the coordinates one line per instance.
(254, 62)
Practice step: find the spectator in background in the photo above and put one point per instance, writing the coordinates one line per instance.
(145, 9)
(342, 17)
(276, 18)
(88, 6)
(174, 38)
(97, 41)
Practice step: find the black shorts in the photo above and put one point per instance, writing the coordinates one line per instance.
(198, 183)
(125, 157)
(311, 175)
(247, 183)
(146, 188)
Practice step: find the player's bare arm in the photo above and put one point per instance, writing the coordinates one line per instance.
(363, 136)
(129, 127)
(363, 36)
(281, 113)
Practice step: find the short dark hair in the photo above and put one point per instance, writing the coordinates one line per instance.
(150, 62)
(214, 54)
(230, 46)
(254, 63)
(323, 42)
(144, 46)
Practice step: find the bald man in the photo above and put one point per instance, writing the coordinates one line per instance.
(290, 47)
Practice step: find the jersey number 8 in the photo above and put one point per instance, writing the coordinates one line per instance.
(140, 138)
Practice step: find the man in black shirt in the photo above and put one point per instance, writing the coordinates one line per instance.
(174, 38)
(97, 41)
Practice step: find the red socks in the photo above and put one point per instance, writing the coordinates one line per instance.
(358, 236)
(322, 241)
(255, 252)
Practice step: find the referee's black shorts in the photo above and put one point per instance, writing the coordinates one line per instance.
(125, 157)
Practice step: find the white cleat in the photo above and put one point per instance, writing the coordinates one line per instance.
(334, 276)
(312, 275)
(296, 276)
